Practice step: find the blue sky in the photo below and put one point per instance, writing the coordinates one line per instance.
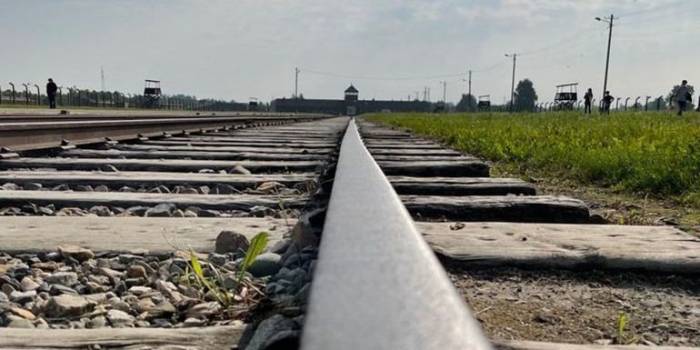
(388, 48)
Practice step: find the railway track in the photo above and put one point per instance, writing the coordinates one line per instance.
(129, 212)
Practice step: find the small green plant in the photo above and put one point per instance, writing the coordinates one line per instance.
(220, 293)
(623, 336)
(621, 324)
(195, 276)
(257, 245)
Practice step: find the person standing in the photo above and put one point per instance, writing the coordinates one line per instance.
(607, 101)
(51, 89)
(587, 100)
(683, 96)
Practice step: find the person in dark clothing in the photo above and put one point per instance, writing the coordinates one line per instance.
(683, 96)
(587, 99)
(607, 101)
(51, 89)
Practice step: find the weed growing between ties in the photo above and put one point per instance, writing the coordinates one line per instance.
(214, 282)
(648, 153)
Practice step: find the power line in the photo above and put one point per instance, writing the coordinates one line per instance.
(356, 77)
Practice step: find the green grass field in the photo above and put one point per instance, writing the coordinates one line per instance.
(656, 154)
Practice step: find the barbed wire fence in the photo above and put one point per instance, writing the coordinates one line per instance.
(31, 95)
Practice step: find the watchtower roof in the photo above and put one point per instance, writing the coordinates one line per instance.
(351, 89)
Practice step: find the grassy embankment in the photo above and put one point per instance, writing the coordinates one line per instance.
(653, 155)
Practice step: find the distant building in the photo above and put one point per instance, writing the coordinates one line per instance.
(350, 105)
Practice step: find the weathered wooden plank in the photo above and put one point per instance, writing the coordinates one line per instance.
(534, 345)
(415, 152)
(246, 139)
(437, 168)
(460, 186)
(136, 179)
(279, 135)
(378, 136)
(411, 146)
(94, 153)
(199, 142)
(253, 138)
(551, 209)
(420, 158)
(128, 199)
(157, 164)
(410, 142)
(230, 149)
(207, 338)
(159, 236)
(618, 247)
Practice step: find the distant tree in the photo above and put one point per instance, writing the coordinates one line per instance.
(525, 96)
(671, 97)
(467, 103)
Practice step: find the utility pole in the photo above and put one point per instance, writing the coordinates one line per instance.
(444, 91)
(607, 57)
(296, 82)
(512, 83)
(102, 78)
(470, 82)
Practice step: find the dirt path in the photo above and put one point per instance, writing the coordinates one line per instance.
(583, 307)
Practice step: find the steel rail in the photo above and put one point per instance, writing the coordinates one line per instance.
(377, 284)
(41, 135)
(7, 118)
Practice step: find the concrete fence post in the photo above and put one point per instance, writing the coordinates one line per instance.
(14, 93)
(38, 95)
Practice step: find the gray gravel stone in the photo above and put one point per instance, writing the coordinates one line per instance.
(120, 319)
(136, 271)
(97, 322)
(75, 252)
(265, 265)
(28, 284)
(67, 305)
(32, 186)
(22, 297)
(161, 210)
(204, 310)
(18, 322)
(100, 210)
(231, 242)
(239, 169)
(267, 329)
(65, 278)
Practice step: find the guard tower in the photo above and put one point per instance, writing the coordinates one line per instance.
(351, 94)
(351, 97)
(566, 96)
(151, 93)
(484, 103)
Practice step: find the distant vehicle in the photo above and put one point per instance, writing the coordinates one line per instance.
(151, 94)
(566, 96)
(484, 103)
